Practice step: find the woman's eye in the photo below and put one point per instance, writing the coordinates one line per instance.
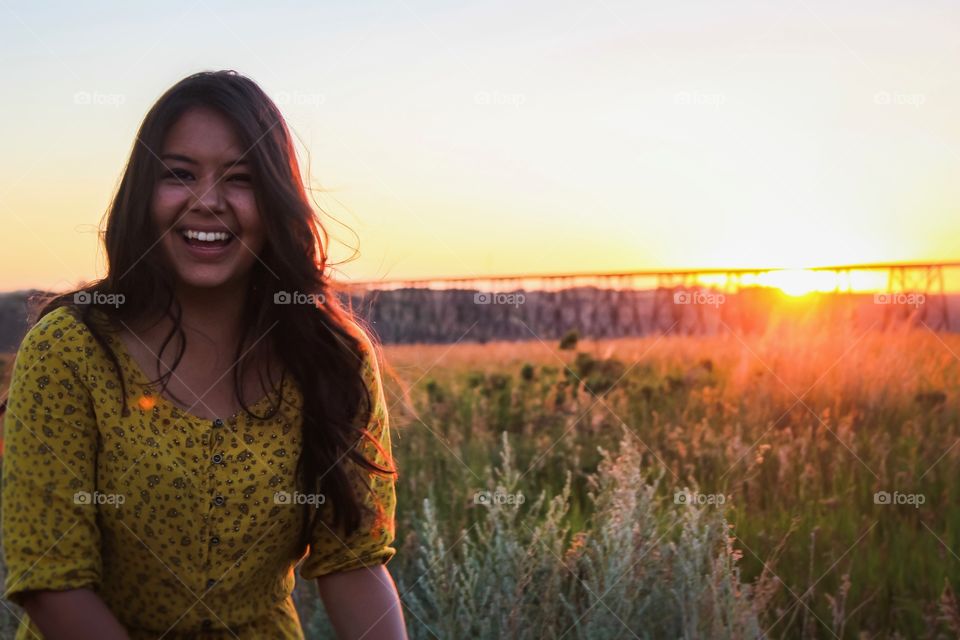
(178, 174)
(182, 175)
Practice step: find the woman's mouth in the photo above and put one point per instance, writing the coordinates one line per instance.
(207, 245)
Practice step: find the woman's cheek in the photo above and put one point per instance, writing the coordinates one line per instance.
(167, 201)
(244, 203)
(248, 215)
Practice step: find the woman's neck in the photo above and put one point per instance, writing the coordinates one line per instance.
(211, 319)
(213, 312)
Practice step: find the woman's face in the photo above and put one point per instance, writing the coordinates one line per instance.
(204, 190)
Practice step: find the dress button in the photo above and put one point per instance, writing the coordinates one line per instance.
(217, 458)
(210, 583)
(218, 422)
(215, 540)
(219, 500)
(207, 623)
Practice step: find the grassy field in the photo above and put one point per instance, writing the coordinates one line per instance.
(678, 486)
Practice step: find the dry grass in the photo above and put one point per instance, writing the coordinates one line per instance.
(797, 429)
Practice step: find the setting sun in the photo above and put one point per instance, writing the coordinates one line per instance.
(799, 282)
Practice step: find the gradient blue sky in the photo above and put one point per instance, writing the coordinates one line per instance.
(502, 137)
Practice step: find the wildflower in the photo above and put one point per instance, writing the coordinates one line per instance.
(577, 546)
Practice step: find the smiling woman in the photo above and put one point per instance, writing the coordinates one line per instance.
(195, 183)
(143, 496)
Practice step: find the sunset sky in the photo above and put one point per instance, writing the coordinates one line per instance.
(502, 137)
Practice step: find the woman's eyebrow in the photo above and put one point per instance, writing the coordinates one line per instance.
(182, 158)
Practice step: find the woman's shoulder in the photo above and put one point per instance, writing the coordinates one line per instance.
(62, 334)
(371, 371)
(52, 330)
(369, 356)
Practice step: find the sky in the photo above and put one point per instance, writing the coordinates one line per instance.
(481, 138)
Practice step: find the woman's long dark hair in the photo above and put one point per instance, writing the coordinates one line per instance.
(320, 346)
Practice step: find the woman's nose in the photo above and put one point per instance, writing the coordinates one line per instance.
(209, 196)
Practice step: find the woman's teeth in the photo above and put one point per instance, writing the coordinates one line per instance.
(206, 236)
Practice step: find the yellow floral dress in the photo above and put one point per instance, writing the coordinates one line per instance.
(185, 527)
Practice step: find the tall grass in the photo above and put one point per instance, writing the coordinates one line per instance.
(798, 429)
(636, 568)
(794, 431)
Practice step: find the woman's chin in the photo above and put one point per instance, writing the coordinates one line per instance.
(205, 279)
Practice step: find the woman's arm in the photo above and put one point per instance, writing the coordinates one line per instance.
(51, 538)
(73, 614)
(363, 603)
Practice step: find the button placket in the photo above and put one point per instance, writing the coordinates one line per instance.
(216, 459)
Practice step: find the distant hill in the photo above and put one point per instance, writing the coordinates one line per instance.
(13, 318)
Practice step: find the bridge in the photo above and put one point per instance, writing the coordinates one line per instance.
(609, 304)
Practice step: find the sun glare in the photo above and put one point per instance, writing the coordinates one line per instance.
(800, 282)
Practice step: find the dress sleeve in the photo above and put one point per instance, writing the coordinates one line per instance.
(370, 545)
(49, 522)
